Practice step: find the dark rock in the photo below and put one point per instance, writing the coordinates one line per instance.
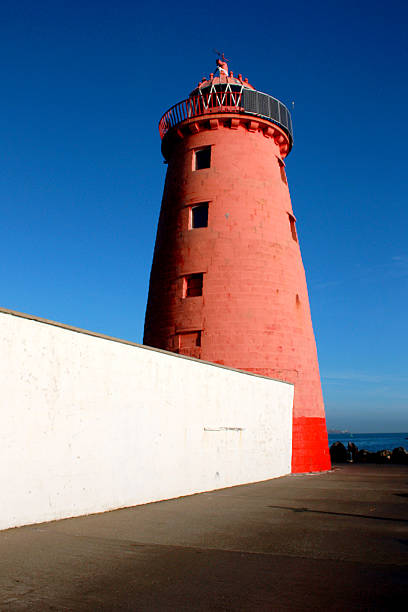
(382, 456)
(338, 453)
(364, 456)
(399, 455)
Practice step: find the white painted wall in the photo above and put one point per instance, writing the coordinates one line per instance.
(89, 424)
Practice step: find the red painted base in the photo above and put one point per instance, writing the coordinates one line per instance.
(310, 449)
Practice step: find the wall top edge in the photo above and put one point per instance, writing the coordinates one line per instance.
(23, 315)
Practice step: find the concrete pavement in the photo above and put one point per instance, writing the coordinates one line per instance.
(332, 541)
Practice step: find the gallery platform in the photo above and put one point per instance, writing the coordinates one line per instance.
(331, 541)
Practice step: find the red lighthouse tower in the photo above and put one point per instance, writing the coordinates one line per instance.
(227, 283)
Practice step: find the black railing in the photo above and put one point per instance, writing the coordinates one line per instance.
(245, 101)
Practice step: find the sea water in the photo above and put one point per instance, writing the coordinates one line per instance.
(371, 441)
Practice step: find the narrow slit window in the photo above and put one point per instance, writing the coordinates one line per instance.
(199, 215)
(292, 222)
(282, 171)
(202, 158)
(193, 285)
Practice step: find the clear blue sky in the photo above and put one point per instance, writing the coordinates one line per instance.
(81, 174)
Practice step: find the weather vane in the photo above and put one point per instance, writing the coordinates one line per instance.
(222, 62)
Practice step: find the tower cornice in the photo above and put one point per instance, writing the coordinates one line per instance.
(230, 120)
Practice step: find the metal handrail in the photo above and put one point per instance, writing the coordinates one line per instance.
(249, 102)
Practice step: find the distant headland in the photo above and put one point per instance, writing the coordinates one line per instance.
(338, 431)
